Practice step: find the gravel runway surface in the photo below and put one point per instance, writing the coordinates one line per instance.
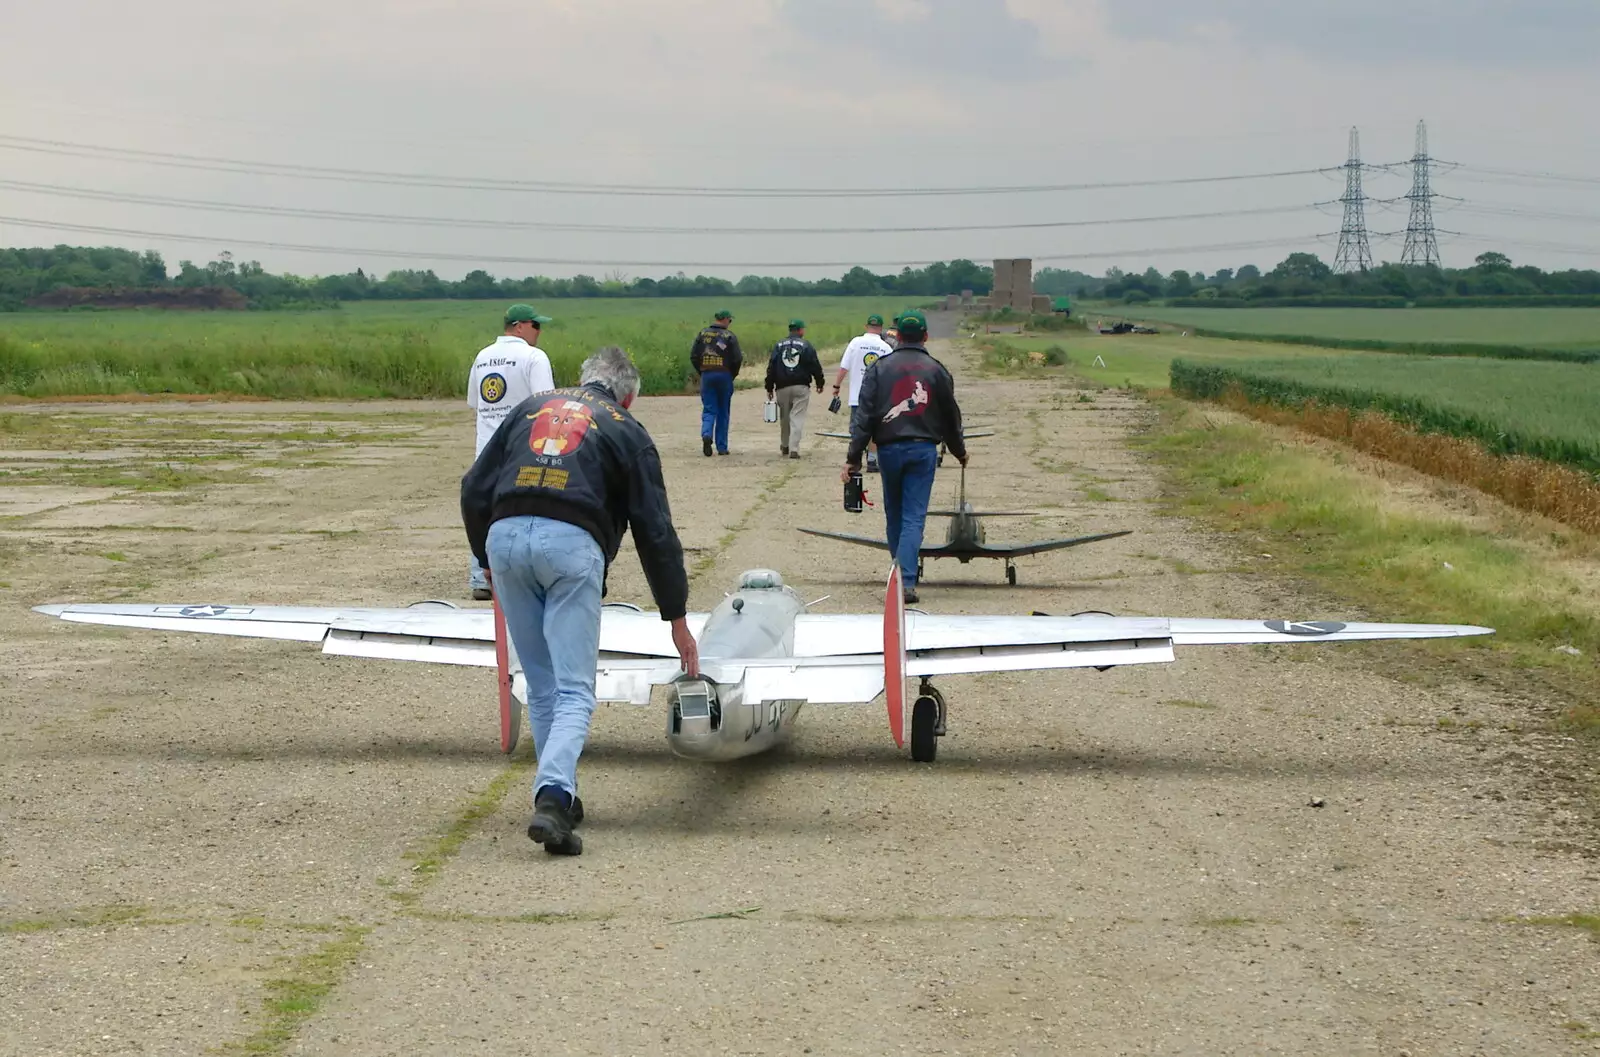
(200, 833)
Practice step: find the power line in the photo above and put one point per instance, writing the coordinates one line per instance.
(1355, 251)
(1529, 244)
(1519, 174)
(1422, 242)
(374, 176)
(481, 258)
(130, 198)
(1492, 209)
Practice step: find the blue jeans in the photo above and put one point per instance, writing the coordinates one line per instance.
(547, 577)
(906, 469)
(716, 406)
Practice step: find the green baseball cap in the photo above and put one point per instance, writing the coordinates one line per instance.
(912, 319)
(797, 324)
(874, 320)
(524, 314)
(723, 314)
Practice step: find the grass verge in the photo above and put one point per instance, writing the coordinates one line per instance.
(1331, 523)
(1559, 492)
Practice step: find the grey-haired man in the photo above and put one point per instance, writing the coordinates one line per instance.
(545, 506)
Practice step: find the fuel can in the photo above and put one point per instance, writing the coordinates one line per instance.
(853, 493)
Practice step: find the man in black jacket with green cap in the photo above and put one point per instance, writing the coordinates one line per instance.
(792, 368)
(716, 358)
(908, 407)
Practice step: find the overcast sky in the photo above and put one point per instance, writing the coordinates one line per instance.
(822, 94)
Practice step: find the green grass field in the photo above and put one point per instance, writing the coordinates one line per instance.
(1545, 410)
(1551, 328)
(377, 349)
(1133, 361)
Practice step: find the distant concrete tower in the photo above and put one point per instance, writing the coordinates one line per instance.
(1022, 284)
(1013, 284)
(1000, 294)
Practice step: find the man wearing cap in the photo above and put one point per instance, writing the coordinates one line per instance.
(862, 352)
(503, 375)
(908, 406)
(792, 368)
(716, 358)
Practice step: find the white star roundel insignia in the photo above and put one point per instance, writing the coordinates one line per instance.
(200, 611)
(1305, 627)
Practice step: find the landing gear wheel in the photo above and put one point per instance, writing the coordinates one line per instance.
(924, 730)
(1011, 575)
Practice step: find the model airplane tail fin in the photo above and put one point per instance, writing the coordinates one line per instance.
(894, 655)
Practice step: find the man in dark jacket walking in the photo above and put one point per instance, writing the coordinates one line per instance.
(908, 408)
(545, 506)
(792, 369)
(716, 358)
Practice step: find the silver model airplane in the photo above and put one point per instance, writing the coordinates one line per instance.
(966, 539)
(762, 656)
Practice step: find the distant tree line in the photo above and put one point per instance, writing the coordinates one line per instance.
(1304, 278)
(66, 276)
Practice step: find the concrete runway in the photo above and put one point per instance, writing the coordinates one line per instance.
(226, 843)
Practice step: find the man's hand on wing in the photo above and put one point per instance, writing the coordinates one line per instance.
(688, 652)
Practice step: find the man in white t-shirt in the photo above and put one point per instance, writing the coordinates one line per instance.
(504, 375)
(861, 353)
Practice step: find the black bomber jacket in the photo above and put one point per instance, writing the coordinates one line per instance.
(906, 395)
(576, 455)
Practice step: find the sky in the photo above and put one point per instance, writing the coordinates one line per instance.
(813, 96)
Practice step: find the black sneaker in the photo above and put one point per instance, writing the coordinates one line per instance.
(552, 825)
(782, 450)
(911, 596)
(705, 446)
(794, 455)
(481, 594)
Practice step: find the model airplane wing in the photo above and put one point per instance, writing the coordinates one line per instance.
(431, 632)
(931, 550)
(1022, 550)
(835, 658)
(865, 541)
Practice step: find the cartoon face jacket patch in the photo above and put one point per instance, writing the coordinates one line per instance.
(559, 427)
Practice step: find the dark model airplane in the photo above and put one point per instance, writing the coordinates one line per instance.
(967, 433)
(965, 539)
(1128, 328)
